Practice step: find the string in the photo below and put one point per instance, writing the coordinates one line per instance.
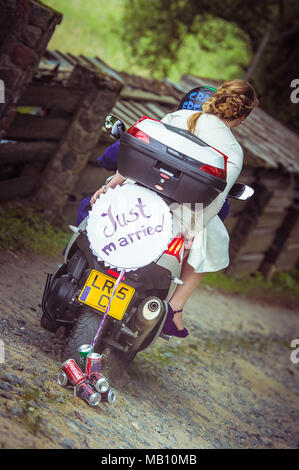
(121, 274)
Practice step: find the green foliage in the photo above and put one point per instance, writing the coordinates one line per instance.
(157, 33)
(200, 54)
(282, 282)
(103, 30)
(92, 28)
(23, 228)
(212, 39)
(171, 38)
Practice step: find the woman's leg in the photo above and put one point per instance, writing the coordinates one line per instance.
(183, 291)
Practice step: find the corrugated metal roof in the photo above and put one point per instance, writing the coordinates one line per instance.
(265, 140)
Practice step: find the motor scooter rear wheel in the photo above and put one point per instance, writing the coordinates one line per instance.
(83, 332)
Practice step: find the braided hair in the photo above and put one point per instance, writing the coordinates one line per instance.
(233, 99)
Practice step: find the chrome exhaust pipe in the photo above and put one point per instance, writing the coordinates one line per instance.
(149, 313)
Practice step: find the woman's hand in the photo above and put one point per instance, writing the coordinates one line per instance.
(96, 195)
(117, 179)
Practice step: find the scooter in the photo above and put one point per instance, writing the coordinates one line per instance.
(137, 321)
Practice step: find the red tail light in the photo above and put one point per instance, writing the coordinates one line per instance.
(216, 171)
(139, 134)
(175, 247)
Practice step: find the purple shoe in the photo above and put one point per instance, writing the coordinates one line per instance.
(169, 327)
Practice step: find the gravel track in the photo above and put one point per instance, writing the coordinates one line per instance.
(230, 384)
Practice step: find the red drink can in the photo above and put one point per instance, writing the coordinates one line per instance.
(93, 363)
(99, 382)
(62, 379)
(73, 372)
(109, 396)
(88, 394)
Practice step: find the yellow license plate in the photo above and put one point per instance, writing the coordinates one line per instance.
(97, 292)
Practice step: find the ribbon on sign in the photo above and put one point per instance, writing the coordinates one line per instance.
(121, 274)
(128, 228)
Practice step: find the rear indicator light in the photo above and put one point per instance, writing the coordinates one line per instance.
(214, 171)
(175, 247)
(138, 134)
(135, 132)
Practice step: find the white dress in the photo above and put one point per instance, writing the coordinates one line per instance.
(209, 250)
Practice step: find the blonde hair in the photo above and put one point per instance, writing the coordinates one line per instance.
(233, 99)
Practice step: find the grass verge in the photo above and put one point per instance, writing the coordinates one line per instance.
(23, 228)
(282, 289)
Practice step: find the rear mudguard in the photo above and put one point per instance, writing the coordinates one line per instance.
(61, 268)
(73, 239)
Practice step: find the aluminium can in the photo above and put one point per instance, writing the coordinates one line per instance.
(88, 394)
(63, 379)
(83, 352)
(93, 363)
(99, 382)
(73, 372)
(109, 396)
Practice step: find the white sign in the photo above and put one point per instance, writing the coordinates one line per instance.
(129, 227)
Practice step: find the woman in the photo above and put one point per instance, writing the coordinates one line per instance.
(231, 104)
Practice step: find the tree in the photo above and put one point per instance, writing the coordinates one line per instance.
(155, 32)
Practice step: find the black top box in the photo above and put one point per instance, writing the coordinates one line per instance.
(168, 171)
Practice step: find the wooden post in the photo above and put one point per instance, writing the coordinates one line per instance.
(79, 140)
(246, 222)
(268, 266)
(26, 27)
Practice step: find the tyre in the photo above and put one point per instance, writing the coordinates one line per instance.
(83, 332)
(50, 325)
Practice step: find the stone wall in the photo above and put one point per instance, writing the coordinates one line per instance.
(26, 27)
(100, 92)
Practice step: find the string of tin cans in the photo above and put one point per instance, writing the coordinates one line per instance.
(92, 386)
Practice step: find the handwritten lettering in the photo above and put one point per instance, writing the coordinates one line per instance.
(133, 237)
(123, 219)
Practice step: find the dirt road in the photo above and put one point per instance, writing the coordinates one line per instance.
(230, 384)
